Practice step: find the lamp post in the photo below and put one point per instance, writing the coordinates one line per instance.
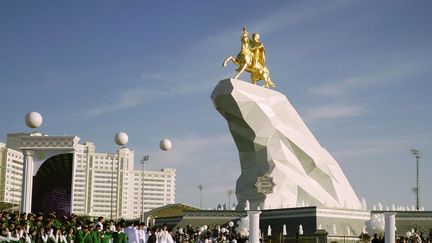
(229, 193)
(144, 161)
(417, 154)
(201, 188)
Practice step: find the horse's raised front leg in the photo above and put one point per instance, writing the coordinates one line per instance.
(228, 59)
(241, 70)
(267, 81)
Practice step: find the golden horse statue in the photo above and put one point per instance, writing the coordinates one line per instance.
(251, 58)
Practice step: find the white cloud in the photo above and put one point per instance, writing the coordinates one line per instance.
(339, 109)
(375, 146)
(384, 73)
(137, 96)
(154, 76)
(334, 89)
(334, 111)
(359, 151)
(272, 22)
(126, 99)
(195, 150)
(208, 160)
(290, 15)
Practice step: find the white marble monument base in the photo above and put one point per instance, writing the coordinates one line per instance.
(282, 164)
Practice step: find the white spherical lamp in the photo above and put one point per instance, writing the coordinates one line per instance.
(121, 138)
(165, 144)
(33, 119)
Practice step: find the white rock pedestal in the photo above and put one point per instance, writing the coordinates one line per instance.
(282, 164)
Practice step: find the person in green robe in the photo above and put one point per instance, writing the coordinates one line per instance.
(79, 233)
(87, 234)
(95, 234)
(106, 234)
(70, 236)
(120, 236)
(55, 222)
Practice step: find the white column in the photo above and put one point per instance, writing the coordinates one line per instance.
(254, 218)
(74, 165)
(27, 185)
(390, 227)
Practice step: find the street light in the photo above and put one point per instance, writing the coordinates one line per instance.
(229, 193)
(144, 161)
(417, 154)
(201, 188)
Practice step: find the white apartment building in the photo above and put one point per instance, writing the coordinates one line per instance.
(102, 184)
(11, 167)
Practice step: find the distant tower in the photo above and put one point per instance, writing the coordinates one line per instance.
(417, 154)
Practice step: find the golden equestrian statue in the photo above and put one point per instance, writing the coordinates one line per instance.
(251, 58)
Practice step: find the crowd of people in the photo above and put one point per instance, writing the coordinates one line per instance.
(40, 228)
(414, 236)
(205, 234)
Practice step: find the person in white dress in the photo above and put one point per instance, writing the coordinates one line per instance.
(164, 236)
(142, 233)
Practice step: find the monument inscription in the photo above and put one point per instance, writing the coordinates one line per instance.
(265, 184)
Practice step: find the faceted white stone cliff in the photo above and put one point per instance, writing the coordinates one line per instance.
(282, 164)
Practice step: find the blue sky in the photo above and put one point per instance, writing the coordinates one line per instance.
(358, 72)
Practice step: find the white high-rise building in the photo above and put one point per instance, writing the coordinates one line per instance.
(11, 167)
(80, 180)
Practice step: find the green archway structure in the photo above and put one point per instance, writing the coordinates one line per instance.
(170, 210)
(181, 215)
